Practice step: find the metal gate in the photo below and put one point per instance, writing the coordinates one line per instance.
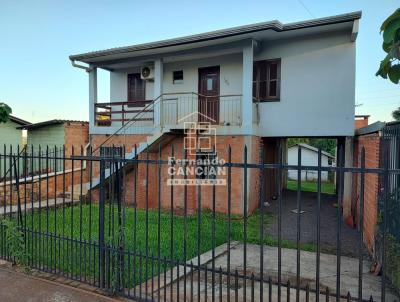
(388, 235)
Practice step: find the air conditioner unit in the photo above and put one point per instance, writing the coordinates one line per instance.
(147, 73)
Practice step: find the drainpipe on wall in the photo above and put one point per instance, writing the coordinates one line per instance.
(87, 69)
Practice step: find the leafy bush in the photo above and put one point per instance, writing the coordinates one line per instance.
(15, 242)
(390, 65)
(5, 112)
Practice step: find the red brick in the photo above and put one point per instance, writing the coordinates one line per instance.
(371, 143)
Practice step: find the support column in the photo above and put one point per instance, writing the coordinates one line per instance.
(158, 90)
(348, 178)
(247, 88)
(92, 95)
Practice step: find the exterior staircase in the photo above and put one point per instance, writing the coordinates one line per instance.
(152, 140)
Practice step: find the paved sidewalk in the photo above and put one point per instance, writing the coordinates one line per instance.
(20, 287)
(175, 286)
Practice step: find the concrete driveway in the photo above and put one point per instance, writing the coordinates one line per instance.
(308, 233)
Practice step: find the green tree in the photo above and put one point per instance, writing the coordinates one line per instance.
(390, 65)
(5, 112)
(326, 144)
(294, 141)
(396, 114)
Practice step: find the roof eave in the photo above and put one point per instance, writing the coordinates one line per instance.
(219, 34)
(41, 124)
(19, 121)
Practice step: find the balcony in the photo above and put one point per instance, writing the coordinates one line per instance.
(112, 113)
(173, 110)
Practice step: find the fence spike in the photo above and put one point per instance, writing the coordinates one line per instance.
(327, 294)
(220, 284)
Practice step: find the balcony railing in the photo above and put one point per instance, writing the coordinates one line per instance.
(175, 109)
(224, 110)
(122, 112)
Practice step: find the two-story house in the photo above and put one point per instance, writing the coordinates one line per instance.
(253, 85)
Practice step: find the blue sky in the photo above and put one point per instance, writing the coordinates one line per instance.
(36, 38)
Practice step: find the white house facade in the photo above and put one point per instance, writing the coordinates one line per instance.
(314, 83)
(259, 83)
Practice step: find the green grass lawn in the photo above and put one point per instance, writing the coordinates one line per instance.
(309, 186)
(72, 258)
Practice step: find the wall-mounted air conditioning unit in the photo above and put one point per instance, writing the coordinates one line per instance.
(147, 73)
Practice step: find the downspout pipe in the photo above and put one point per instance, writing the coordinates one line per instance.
(87, 69)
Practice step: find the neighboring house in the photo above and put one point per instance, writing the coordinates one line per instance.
(260, 84)
(48, 168)
(58, 133)
(10, 136)
(11, 141)
(309, 157)
(57, 136)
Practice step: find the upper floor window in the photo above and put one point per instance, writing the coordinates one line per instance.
(267, 80)
(178, 77)
(136, 89)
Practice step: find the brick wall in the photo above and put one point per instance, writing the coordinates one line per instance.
(96, 140)
(371, 143)
(76, 137)
(43, 188)
(360, 122)
(255, 174)
(136, 180)
(129, 140)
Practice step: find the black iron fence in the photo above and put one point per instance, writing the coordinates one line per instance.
(25, 161)
(388, 235)
(147, 228)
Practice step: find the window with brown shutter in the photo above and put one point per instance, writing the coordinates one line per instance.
(267, 80)
(136, 90)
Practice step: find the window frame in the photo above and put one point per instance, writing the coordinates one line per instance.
(210, 156)
(177, 82)
(267, 62)
(111, 152)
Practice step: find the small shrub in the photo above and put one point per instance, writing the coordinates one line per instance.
(15, 243)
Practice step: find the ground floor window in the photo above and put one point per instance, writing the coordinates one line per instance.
(111, 152)
(206, 168)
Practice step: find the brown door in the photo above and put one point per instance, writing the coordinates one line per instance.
(136, 90)
(209, 94)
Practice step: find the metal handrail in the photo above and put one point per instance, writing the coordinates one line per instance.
(121, 103)
(166, 94)
(133, 119)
